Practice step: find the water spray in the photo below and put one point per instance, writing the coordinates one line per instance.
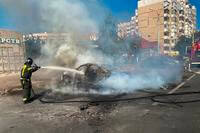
(58, 68)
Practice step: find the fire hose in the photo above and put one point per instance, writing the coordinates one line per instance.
(154, 98)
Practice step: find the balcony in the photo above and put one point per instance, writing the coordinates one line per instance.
(181, 12)
(166, 52)
(166, 11)
(166, 18)
(166, 14)
(181, 21)
(182, 8)
(172, 34)
(166, 29)
(172, 44)
(166, 4)
(166, 45)
(173, 30)
(180, 15)
(166, 1)
(166, 41)
(181, 18)
(181, 31)
(173, 15)
(165, 22)
(166, 37)
(173, 27)
(186, 32)
(180, 28)
(166, 33)
(182, 3)
(172, 23)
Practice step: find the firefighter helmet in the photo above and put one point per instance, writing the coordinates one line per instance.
(29, 61)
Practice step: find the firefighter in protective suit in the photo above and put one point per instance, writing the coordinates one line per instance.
(26, 73)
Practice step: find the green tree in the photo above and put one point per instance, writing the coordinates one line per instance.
(184, 42)
(33, 47)
(108, 35)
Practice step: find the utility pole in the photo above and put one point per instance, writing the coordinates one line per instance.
(158, 32)
(193, 36)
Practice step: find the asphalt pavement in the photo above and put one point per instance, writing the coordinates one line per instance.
(125, 116)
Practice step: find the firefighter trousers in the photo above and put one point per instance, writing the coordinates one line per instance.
(27, 86)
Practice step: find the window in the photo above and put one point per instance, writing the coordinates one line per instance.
(174, 11)
(182, 31)
(166, 18)
(174, 19)
(181, 18)
(166, 11)
(166, 48)
(166, 26)
(166, 41)
(166, 33)
(181, 11)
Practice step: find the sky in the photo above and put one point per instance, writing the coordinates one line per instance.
(121, 9)
(124, 9)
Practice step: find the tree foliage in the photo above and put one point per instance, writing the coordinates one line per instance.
(108, 35)
(184, 42)
(33, 47)
(110, 43)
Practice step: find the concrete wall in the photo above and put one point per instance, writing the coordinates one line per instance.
(12, 51)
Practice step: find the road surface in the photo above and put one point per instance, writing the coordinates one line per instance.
(132, 116)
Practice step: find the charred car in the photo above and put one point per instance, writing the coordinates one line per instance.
(170, 70)
(92, 75)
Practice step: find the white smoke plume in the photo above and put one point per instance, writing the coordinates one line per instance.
(66, 16)
(49, 15)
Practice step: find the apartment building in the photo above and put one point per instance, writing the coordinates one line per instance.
(164, 21)
(49, 37)
(127, 29)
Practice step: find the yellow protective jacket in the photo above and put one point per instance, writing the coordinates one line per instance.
(26, 72)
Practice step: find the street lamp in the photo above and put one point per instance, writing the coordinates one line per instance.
(158, 28)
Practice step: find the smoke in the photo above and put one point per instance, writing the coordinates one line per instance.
(49, 15)
(122, 82)
(78, 18)
(152, 73)
(93, 56)
(67, 16)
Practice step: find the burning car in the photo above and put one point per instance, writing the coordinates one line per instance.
(92, 75)
(168, 69)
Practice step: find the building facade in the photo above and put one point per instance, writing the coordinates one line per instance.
(12, 51)
(127, 29)
(48, 37)
(164, 21)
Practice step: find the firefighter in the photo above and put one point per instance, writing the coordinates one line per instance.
(26, 73)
